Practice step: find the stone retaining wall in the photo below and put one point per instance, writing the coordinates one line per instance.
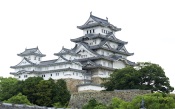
(79, 99)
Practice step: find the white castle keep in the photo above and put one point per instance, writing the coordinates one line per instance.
(95, 55)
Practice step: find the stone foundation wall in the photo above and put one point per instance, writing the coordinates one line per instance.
(79, 99)
(72, 84)
(97, 80)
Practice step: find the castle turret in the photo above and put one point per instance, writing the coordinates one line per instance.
(33, 54)
(95, 25)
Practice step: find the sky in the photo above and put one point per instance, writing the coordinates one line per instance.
(147, 25)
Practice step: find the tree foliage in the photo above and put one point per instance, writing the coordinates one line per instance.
(18, 99)
(29, 88)
(146, 76)
(8, 88)
(38, 91)
(93, 104)
(151, 101)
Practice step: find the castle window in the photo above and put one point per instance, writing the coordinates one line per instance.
(104, 63)
(87, 31)
(90, 31)
(39, 59)
(93, 31)
(25, 76)
(19, 76)
(35, 58)
(95, 41)
(50, 74)
(57, 74)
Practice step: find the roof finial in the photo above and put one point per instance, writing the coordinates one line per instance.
(91, 13)
(107, 18)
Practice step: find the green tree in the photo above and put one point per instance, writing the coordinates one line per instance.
(154, 101)
(153, 77)
(61, 93)
(29, 88)
(91, 104)
(8, 88)
(18, 99)
(44, 93)
(52, 93)
(126, 78)
(148, 76)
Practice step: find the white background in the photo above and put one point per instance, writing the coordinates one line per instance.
(148, 26)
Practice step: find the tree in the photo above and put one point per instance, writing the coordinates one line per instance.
(44, 93)
(29, 88)
(149, 101)
(92, 103)
(153, 77)
(52, 93)
(154, 101)
(126, 78)
(61, 93)
(18, 99)
(148, 76)
(8, 88)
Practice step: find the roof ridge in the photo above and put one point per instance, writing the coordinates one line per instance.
(50, 60)
(98, 17)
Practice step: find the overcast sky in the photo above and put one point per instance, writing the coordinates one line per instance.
(147, 25)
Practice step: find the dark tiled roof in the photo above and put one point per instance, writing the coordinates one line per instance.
(99, 22)
(31, 51)
(17, 66)
(66, 51)
(48, 62)
(88, 84)
(111, 49)
(60, 70)
(94, 36)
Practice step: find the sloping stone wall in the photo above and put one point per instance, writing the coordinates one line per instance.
(72, 84)
(79, 99)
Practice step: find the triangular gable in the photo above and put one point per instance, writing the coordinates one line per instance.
(38, 52)
(89, 64)
(90, 21)
(123, 49)
(112, 36)
(84, 51)
(106, 45)
(60, 59)
(24, 62)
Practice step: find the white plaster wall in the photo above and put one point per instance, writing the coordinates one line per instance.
(34, 59)
(63, 75)
(97, 29)
(104, 52)
(90, 87)
(118, 65)
(101, 73)
(104, 63)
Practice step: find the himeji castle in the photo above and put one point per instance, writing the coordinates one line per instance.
(95, 55)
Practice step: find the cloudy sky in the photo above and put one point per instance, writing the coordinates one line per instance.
(147, 25)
